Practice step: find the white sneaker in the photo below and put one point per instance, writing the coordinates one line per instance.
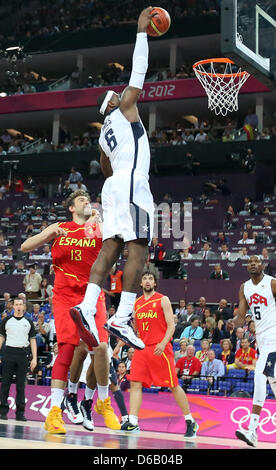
(250, 437)
(121, 329)
(86, 326)
(72, 407)
(86, 410)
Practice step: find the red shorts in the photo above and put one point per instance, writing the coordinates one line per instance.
(150, 369)
(66, 329)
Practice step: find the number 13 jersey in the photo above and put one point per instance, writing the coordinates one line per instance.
(261, 302)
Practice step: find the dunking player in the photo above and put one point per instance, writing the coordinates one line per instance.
(258, 294)
(154, 365)
(76, 246)
(127, 202)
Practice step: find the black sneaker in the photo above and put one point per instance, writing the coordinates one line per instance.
(192, 428)
(128, 427)
(72, 407)
(86, 326)
(86, 407)
(20, 418)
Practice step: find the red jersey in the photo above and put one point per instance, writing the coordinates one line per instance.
(150, 319)
(188, 366)
(74, 254)
(246, 357)
(116, 282)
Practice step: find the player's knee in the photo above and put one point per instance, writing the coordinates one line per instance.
(101, 350)
(135, 386)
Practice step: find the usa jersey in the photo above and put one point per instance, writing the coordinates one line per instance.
(125, 143)
(261, 302)
(74, 254)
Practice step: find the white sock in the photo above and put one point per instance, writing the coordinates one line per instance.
(254, 421)
(72, 388)
(133, 420)
(103, 391)
(126, 305)
(91, 298)
(89, 393)
(188, 417)
(56, 397)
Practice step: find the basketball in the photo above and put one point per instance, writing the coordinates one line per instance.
(160, 23)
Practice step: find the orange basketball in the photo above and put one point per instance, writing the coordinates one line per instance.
(160, 23)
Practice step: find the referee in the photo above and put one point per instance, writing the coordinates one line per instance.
(19, 333)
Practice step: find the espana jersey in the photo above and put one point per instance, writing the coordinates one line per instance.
(150, 319)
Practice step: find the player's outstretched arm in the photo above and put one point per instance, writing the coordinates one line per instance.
(48, 234)
(139, 68)
(239, 319)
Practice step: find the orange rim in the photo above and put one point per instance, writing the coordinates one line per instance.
(218, 60)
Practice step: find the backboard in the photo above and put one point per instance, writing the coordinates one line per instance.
(248, 36)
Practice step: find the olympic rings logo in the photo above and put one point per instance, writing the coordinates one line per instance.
(235, 418)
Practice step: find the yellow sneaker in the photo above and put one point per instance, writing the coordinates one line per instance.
(54, 422)
(105, 409)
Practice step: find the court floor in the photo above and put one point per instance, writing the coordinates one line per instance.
(31, 435)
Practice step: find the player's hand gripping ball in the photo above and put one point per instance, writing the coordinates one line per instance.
(160, 22)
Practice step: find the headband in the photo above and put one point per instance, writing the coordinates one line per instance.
(106, 100)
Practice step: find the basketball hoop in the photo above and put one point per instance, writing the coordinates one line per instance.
(222, 88)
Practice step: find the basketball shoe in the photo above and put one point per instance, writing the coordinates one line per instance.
(248, 436)
(73, 410)
(128, 427)
(54, 422)
(86, 411)
(85, 323)
(104, 408)
(122, 329)
(191, 430)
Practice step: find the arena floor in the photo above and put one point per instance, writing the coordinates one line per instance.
(31, 435)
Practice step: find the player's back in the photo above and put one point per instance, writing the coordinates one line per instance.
(261, 302)
(125, 144)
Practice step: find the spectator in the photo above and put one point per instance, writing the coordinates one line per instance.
(227, 312)
(20, 269)
(128, 359)
(74, 177)
(206, 252)
(221, 239)
(227, 356)
(190, 312)
(218, 273)
(3, 268)
(6, 297)
(248, 208)
(201, 136)
(32, 283)
(46, 252)
(46, 290)
(9, 254)
(194, 331)
(116, 285)
(243, 254)
(201, 307)
(156, 251)
(34, 312)
(183, 349)
(66, 189)
(27, 303)
(188, 366)
(245, 240)
(9, 310)
(250, 334)
(94, 169)
(202, 354)
(238, 340)
(123, 381)
(246, 357)
(185, 254)
(42, 331)
(251, 118)
(181, 311)
(211, 331)
(265, 255)
(212, 368)
(225, 253)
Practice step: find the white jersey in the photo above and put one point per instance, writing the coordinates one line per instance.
(261, 302)
(125, 144)
(128, 208)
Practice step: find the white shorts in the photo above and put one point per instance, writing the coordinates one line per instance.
(266, 363)
(128, 209)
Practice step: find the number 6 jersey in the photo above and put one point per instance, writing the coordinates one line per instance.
(261, 302)
(128, 209)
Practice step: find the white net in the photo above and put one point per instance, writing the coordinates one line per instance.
(222, 87)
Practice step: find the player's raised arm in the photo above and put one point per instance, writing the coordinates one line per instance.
(239, 319)
(51, 232)
(139, 68)
(105, 164)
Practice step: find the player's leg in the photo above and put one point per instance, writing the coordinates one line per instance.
(118, 395)
(54, 423)
(135, 402)
(83, 314)
(182, 401)
(118, 324)
(74, 413)
(101, 369)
